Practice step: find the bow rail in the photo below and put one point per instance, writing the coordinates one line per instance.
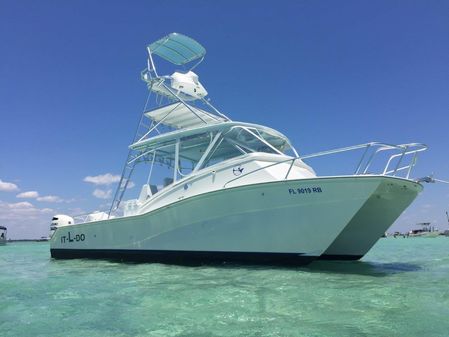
(372, 150)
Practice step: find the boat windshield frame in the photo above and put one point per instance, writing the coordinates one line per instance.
(207, 146)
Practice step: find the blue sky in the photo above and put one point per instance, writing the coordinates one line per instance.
(325, 73)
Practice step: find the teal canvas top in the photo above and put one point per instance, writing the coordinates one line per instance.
(177, 49)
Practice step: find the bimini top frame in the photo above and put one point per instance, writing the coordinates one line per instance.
(177, 49)
(180, 116)
(264, 134)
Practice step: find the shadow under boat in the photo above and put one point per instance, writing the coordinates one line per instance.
(367, 268)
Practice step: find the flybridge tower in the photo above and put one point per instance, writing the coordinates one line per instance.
(179, 50)
(176, 101)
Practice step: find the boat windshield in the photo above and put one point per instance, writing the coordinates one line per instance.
(177, 158)
(243, 140)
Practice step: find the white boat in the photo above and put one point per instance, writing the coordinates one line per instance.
(231, 191)
(3, 232)
(426, 231)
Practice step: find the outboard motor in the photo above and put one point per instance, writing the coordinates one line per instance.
(60, 220)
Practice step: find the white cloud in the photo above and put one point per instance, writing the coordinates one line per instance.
(23, 210)
(35, 195)
(101, 194)
(102, 179)
(50, 198)
(130, 185)
(20, 205)
(28, 195)
(8, 187)
(24, 220)
(46, 198)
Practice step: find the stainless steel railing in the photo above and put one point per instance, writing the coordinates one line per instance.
(372, 150)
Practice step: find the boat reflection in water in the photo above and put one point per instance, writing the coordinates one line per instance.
(218, 190)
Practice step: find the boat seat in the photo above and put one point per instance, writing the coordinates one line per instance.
(153, 189)
(145, 193)
(168, 181)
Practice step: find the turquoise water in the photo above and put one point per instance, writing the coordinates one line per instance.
(401, 288)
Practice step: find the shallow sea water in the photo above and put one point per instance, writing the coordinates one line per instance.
(401, 288)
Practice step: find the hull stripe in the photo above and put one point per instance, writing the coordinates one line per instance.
(185, 257)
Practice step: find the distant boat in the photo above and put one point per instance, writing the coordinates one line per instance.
(3, 231)
(446, 232)
(426, 231)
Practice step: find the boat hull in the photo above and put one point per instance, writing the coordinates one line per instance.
(192, 258)
(433, 234)
(373, 219)
(285, 222)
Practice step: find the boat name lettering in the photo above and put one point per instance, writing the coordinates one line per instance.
(305, 190)
(72, 238)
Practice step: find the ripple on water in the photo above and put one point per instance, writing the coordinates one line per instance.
(399, 289)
